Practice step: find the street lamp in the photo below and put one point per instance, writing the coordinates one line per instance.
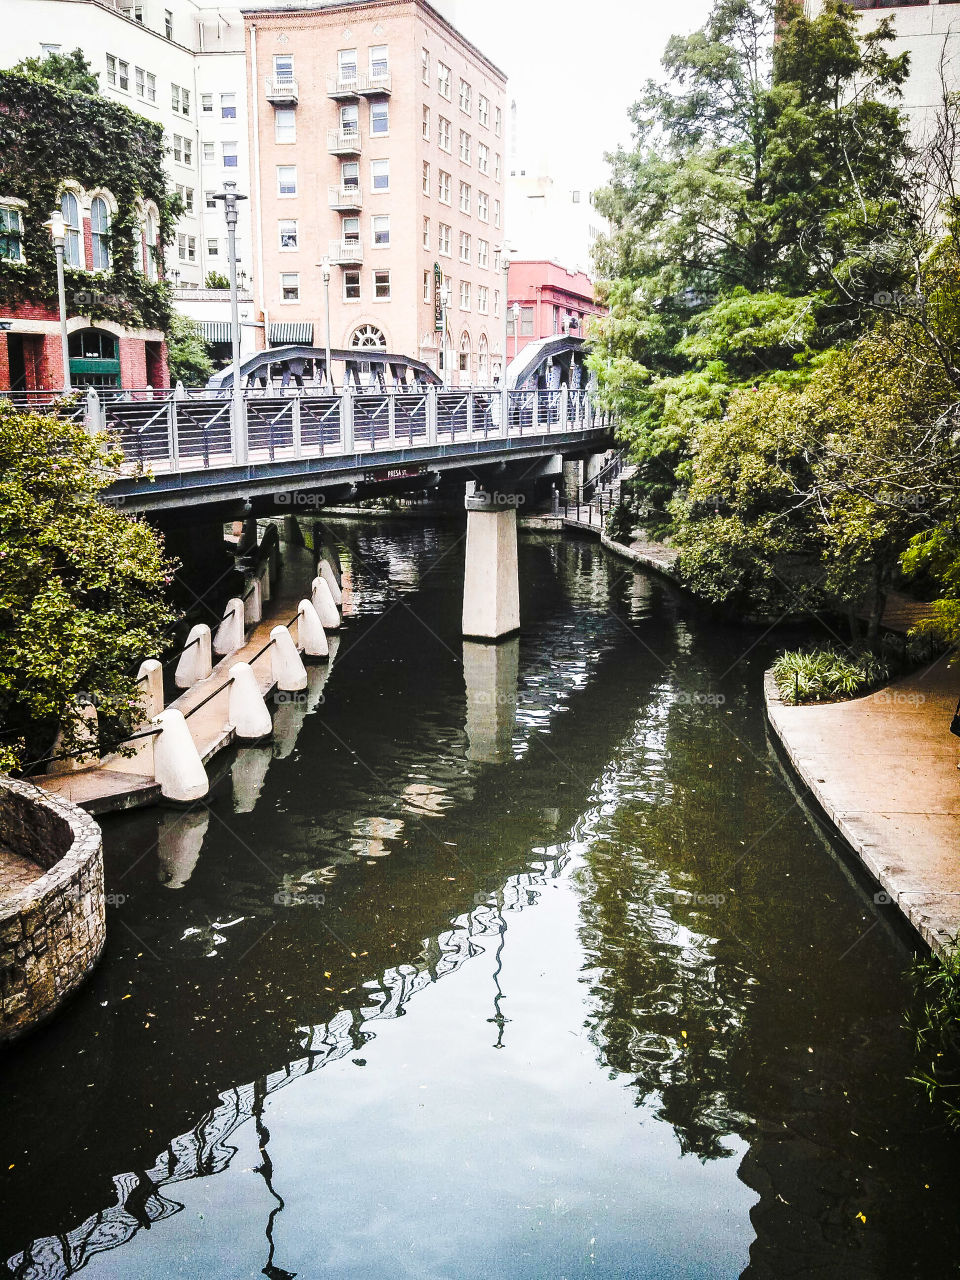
(231, 197)
(325, 272)
(57, 227)
(506, 255)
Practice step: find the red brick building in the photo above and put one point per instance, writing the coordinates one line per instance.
(545, 299)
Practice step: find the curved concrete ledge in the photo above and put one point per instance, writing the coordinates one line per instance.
(660, 561)
(882, 769)
(52, 930)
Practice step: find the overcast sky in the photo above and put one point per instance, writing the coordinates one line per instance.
(574, 69)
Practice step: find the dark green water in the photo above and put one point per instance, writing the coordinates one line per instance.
(499, 963)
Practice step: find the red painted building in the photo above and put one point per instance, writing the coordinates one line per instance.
(551, 300)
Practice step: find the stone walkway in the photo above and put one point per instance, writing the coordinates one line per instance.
(884, 770)
(16, 872)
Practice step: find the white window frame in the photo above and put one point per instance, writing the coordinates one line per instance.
(425, 180)
(444, 239)
(226, 155)
(465, 147)
(384, 230)
(282, 234)
(483, 158)
(287, 195)
(483, 299)
(465, 295)
(483, 254)
(465, 243)
(285, 276)
(378, 284)
(228, 107)
(284, 126)
(352, 278)
(483, 110)
(444, 80)
(465, 198)
(13, 206)
(425, 234)
(444, 187)
(378, 110)
(425, 65)
(372, 60)
(375, 187)
(444, 134)
(483, 206)
(466, 97)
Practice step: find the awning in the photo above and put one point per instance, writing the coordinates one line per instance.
(216, 330)
(284, 333)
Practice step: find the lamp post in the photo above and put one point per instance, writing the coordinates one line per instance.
(231, 197)
(57, 227)
(515, 311)
(506, 255)
(325, 271)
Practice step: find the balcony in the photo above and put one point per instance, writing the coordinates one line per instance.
(345, 199)
(282, 91)
(376, 84)
(346, 253)
(343, 142)
(343, 87)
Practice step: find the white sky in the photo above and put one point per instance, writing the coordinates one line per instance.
(574, 69)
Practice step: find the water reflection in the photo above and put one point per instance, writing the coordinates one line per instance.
(490, 674)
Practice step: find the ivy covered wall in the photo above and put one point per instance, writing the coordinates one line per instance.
(49, 134)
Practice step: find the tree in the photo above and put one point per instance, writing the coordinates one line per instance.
(187, 354)
(216, 280)
(82, 587)
(68, 70)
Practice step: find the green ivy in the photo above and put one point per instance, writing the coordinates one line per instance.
(49, 134)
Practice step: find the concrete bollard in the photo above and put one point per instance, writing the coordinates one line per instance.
(196, 661)
(87, 732)
(247, 711)
(263, 576)
(325, 571)
(289, 673)
(313, 638)
(176, 761)
(150, 679)
(323, 603)
(230, 633)
(253, 603)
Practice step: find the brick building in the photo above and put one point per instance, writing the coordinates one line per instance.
(546, 299)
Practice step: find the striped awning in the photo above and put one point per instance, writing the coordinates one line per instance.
(216, 330)
(284, 333)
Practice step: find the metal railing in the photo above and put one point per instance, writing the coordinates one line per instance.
(343, 141)
(346, 251)
(282, 89)
(344, 197)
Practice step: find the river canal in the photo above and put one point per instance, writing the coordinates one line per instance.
(516, 962)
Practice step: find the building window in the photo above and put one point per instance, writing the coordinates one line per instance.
(146, 84)
(11, 234)
(464, 295)
(210, 199)
(290, 286)
(206, 103)
(379, 61)
(168, 23)
(186, 195)
(464, 351)
(285, 125)
(498, 121)
(229, 155)
(288, 234)
(350, 230)
(350, 175)
(351, 286)
(286, 179)
(425, 65)
(464, 197)
(443, 239)
(347, 65)
(175, 99)
(444, 188)
(283, 68)
(151, 235)
(425, 124)
(426, 178)
(118, 73)
(443, 80)
(483, 110)
(380, 174)
(498, 168)
(381, 229)
(73, 235)
(466, 97)
(182, 149)
(483, 158)
(100, 229)
(464, 146)
(526, 322)
(368, 335)
(379, 118)
(187, 248)
(464, 246)
(483, 299)
(381, 285)
(228, 106)
(496, 303)
(483, 254)
(426, 233)
(496, 213)
(208, 152)
(483, 206)
(426, 286)
(443, 133)
(213, 248)
(350, 119)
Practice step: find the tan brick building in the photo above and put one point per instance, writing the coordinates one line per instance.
(377, 140)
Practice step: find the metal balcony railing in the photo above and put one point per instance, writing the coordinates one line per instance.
(341, 197)
(343, 142)
(346, 252)
(344, 86)
(282, 91)
(375, 84)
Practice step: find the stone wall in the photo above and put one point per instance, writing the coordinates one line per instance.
(52, 931)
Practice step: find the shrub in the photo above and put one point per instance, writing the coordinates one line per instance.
(828, 675)
(935, 1023)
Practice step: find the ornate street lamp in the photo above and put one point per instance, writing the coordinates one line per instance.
(57, 227)
(325, 272)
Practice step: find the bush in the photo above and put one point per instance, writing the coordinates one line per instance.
(621, 522)
(216, 280)
(935, 1023)
(827, 675)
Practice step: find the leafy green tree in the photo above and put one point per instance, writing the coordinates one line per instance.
(82, 587)
(216, 280)
(68, 70)
(187, 353)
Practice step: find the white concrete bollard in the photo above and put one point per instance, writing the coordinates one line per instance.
(265, 578)
(150, 679)
(253, 603)
(196, 661)
(247, 711)
(323, 603)
(289, 673)
(325, 571)
(230, 633)
(313, 638)
(176, 761)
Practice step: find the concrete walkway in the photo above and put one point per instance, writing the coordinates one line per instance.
(116, 784)
(884, 770)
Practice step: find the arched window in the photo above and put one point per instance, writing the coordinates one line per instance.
(150, 225)
(100, 227)
(368, 335)
(73, 233)
(464, 362)
(483, 360)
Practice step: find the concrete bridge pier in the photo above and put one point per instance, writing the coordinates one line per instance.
(491, 585)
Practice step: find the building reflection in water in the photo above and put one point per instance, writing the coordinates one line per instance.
(490, 672)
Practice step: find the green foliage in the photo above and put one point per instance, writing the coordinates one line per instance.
(187, 354)
(81, 586)
(935, 1024)
(828, 675)
(216, 280)
(69, 70)
(49, 134)
(621, 522)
